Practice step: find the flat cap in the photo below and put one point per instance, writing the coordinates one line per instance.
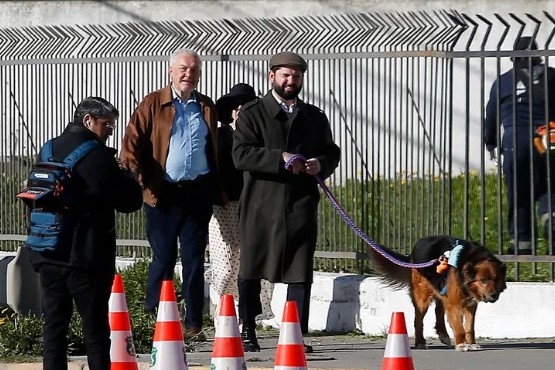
(288, 59)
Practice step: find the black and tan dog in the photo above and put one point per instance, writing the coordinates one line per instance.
(472, 275)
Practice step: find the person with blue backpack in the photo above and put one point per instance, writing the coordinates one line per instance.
(78, 263)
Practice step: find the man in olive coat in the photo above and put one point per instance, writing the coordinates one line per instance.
(278, 207)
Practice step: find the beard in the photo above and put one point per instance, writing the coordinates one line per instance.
(289, 95)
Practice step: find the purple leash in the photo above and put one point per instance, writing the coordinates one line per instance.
(354, 227)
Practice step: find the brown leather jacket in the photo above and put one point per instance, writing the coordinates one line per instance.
(144, 149)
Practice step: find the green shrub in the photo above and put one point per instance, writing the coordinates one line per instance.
(19, 335)
(142, 324)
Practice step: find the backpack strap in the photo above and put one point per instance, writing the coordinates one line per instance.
(46, 152)
(83, 149)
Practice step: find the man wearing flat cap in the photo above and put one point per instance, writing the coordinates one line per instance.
(278, 207)
(518, 97)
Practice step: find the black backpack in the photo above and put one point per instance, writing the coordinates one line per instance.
(49, 196)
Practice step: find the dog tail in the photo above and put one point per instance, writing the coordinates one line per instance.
(397, 277)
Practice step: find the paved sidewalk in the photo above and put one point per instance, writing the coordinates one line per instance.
(361, 352)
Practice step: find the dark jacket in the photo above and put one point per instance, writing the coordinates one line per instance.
(278, 210)
(103, 188)
(231, 177)
(509, 84)
(146, 143)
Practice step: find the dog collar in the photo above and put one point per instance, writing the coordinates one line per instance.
(455, 254)
(452, 260)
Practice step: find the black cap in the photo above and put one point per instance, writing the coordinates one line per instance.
(288, 59)
(238, 95)
(526, 43)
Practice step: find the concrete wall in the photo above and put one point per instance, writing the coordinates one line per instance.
(33, 13)
(346, 302)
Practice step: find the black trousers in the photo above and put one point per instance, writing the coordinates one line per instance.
(60, 286)
(250, 306)
(183, 213)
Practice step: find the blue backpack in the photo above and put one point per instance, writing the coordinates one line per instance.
(49, 196)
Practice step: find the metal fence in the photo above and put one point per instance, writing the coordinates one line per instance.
(404, 91)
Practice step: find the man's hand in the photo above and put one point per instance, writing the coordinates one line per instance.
(312, 166)
(297, 166)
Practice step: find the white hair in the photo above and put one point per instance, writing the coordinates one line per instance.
(180, 52)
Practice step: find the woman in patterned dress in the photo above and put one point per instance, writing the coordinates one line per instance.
(224, 225)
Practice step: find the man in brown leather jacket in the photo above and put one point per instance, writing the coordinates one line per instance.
(170, 143)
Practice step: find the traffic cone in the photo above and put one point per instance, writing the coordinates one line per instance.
(168, 346)
(397, 354)
(228, 347)
(122, 348)
(290, 350)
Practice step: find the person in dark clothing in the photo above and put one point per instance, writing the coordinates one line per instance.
(223, 238)
(83, 269)
(518, 98)
(278, 210)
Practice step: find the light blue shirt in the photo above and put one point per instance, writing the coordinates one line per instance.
(187, 153)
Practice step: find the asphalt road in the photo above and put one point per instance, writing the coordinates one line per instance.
(361, 352)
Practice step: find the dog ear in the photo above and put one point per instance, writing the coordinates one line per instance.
(468, 272)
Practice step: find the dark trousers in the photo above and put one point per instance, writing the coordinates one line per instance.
(250, 306)
(60, 286)
(520, 209)
(182, 212)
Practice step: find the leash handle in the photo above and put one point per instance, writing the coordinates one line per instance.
(355, 228)
(289, 163)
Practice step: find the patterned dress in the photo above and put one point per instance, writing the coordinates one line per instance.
(223, 245)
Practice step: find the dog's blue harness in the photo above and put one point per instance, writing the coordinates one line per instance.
(452, 260)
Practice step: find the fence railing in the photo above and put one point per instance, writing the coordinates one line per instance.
(405, 93)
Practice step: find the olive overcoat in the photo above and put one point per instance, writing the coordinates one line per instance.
(278, 219)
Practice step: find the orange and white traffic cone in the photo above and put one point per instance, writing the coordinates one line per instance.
(290, 353)
(168, 345)
(397, 354)
(228, 347)
(122, 349)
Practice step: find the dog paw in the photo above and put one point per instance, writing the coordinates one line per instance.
(445, 339)
(420, 346)
(462, 347)
(475, 347)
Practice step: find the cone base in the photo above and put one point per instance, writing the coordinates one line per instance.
(228, 363)
(168, 355)
(290, 355)
(124, 366)
(397, 363)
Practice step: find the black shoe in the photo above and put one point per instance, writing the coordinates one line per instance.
(308, 348)
(250, 342)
